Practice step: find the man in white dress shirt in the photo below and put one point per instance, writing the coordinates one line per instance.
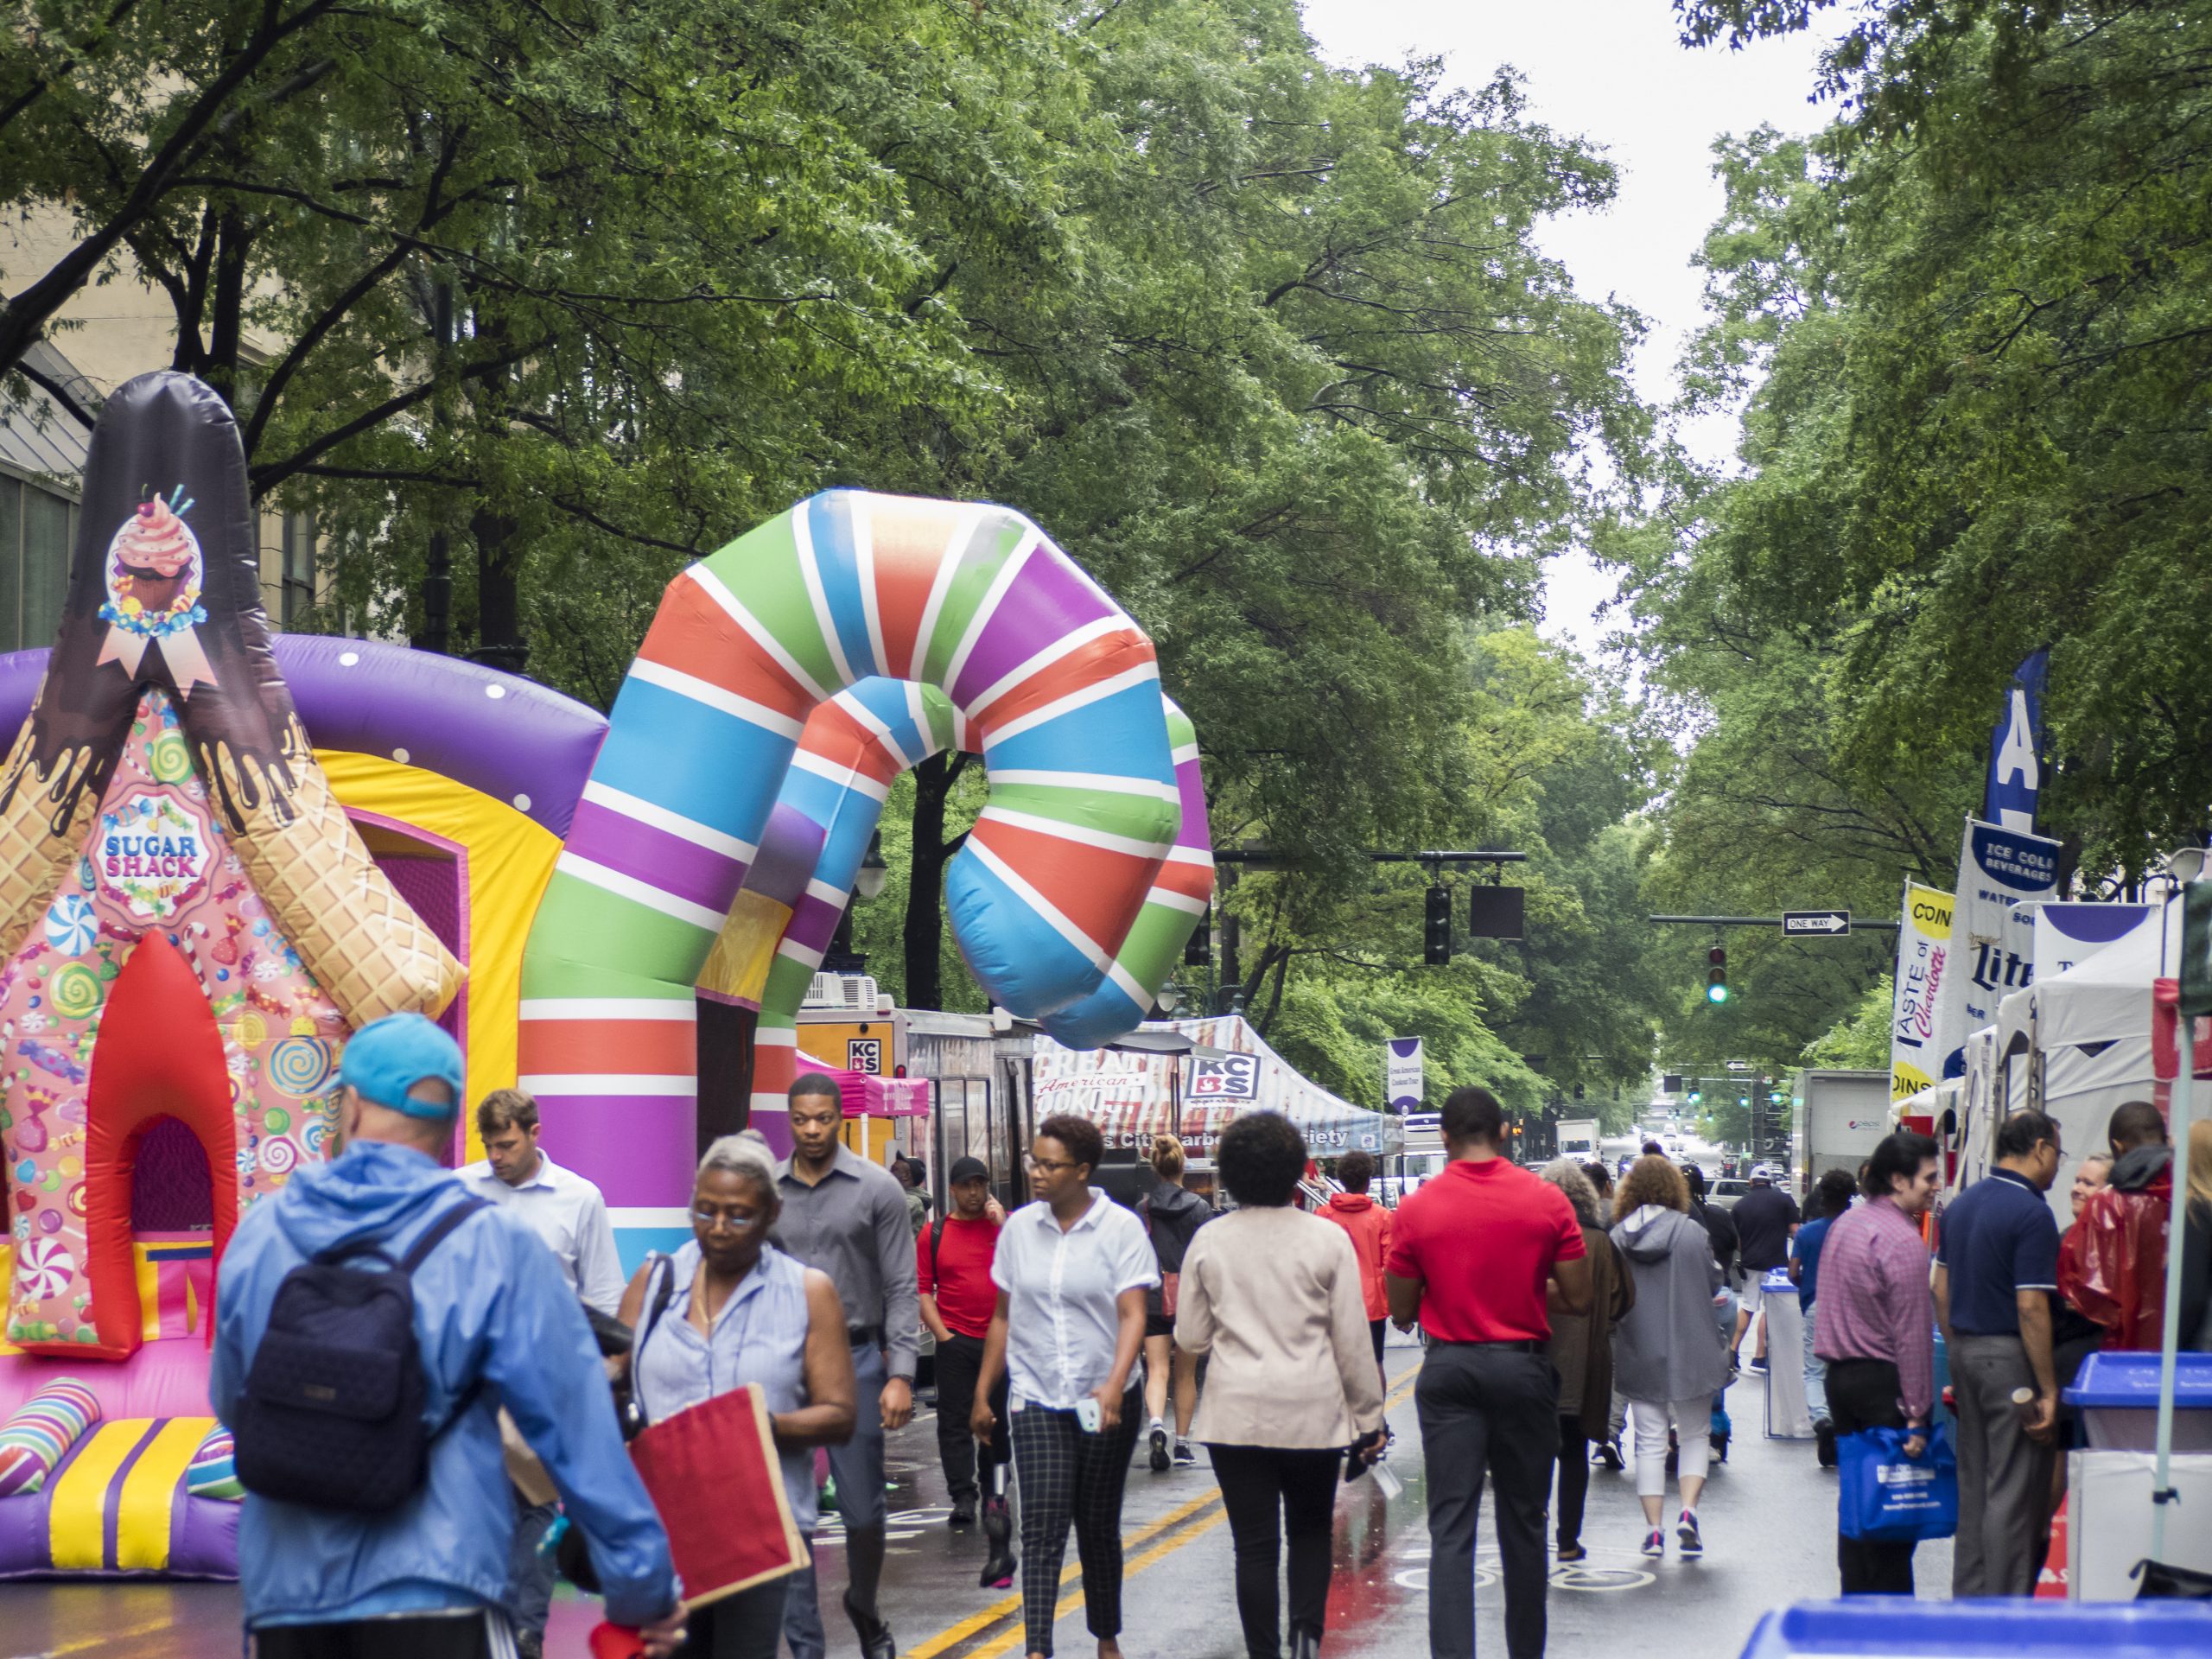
(567, 1212)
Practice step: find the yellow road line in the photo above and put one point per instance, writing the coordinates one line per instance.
(953, 1635)
(998, 1646)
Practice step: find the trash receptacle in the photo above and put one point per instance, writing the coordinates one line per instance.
(1888, 1627)
(1788, 1417)
(2117, 1395)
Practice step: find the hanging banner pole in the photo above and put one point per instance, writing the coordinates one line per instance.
(2195, 999)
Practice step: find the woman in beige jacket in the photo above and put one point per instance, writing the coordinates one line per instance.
(1273, 1295)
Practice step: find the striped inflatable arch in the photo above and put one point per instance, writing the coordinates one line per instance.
(1056, 686)
(852, 749)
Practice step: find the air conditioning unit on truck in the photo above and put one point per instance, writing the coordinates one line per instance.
(1837, 1119)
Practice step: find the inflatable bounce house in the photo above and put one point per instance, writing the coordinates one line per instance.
(222, 850)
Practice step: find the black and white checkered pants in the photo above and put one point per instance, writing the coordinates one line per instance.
(1067, 1475)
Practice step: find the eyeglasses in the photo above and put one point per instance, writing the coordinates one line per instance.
(1033, 1162)
(708, 1221)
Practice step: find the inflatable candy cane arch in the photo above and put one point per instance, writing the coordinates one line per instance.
(853, 747)
(974, 599)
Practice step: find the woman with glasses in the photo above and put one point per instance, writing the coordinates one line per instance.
(1071, 1271)
(727, 1310)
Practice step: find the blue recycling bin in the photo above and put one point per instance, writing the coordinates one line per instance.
(2117, 1395)
(1892, 1627)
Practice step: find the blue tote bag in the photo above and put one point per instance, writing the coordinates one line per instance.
(1891, 1498)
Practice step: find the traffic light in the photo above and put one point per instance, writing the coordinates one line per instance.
(1197, 949)
(1696, 1097)
(1716, 976)
(1437, 942)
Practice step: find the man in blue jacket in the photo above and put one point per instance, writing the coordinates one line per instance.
(496, 1325)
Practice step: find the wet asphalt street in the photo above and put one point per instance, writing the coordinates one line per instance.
(1769, 1518)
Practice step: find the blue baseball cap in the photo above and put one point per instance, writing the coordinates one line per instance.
(387, 1058)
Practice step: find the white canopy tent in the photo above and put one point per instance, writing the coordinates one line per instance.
(2078, 1044)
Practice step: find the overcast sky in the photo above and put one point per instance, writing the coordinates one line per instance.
(1610, 71)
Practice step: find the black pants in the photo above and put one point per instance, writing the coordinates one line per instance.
(1574, 1478)
(1378, 1330)
(1863, 1394)
(473, 1636)
(746, 1625)
(959, 1362)
(1067, 1475)
(1486, 1409)
(1269, 1492)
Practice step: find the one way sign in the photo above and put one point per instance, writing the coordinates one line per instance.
(1815, 924)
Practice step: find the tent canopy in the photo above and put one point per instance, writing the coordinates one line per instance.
(1132, 1096)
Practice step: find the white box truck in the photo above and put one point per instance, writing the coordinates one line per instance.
(1577, 1138)
(1837, 1118)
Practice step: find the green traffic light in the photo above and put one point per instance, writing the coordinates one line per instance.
(1717, 993)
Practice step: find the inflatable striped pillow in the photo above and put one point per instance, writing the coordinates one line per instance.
(213, 1471)
(40, 1433)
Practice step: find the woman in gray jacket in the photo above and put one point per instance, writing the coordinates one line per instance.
(1668, 1360)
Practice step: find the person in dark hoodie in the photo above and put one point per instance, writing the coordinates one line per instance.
(1368, 1224)
(1669, 1357)
(495, 1325)
(2112, 1263)
(1172, 1216)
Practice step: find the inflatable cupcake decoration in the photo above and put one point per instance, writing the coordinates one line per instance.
(155, 576)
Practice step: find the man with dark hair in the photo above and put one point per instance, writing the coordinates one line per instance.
(567, 1212)
(1470, 1255)
(1876, 1331)
(1996, 1269)
(847, 1216)
(952, 1261)
(1369, 1224)
(2113, 1264)
(1766, 1219)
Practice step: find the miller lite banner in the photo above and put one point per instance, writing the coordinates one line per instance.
(2000, 871)
(1917, 1042)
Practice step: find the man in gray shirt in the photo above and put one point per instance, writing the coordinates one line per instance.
(848, 1217)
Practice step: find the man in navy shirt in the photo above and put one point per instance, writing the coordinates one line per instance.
(1996, 1270)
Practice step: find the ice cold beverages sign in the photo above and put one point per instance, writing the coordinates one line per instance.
(154, 852)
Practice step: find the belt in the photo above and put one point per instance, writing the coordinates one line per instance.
(864, 1336)
(1524, 1346)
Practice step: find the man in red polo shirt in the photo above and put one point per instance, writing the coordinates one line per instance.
(1470, 1254)
(953, 1271)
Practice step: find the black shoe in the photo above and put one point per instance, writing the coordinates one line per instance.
(1824, 1443)
(998, 1526)
(1758, 1365)
(1305, 1642)
(1158, 1450)
(964, 1513)
(1719, 1443)
(1609, 1454)
(1186, 1457)
(876, 1642)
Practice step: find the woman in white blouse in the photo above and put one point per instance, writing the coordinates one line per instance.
(1274, 1295)
(1071, 1269)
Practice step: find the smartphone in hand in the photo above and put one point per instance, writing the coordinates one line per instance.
(1087, 1416)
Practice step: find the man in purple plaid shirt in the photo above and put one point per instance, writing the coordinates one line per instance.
(1877, 1330)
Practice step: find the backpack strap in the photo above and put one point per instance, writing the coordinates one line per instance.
(936, 1236)
(436, 1233)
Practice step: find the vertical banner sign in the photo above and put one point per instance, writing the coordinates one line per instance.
(1402, 1079)
(1917, 1043)
(2016, 749)
(1999, 872)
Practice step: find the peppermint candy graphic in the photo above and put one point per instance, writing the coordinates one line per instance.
(71, 924)
(47, 1267)
(278, 1155)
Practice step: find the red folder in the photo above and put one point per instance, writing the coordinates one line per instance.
(711, 1472)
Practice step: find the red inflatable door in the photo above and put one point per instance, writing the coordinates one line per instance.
(158, 1055)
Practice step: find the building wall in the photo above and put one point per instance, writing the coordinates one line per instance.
(110, 331)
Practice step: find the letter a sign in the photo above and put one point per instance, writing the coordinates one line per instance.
(2016, 750)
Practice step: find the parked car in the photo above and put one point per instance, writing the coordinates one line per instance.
(1726, 1191)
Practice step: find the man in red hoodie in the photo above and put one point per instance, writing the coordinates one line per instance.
(1368, 1224)
(2112, 1263)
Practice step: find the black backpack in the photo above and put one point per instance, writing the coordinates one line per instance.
(331, 1412)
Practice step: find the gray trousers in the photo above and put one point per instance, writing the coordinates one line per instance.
(2004, 1477)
